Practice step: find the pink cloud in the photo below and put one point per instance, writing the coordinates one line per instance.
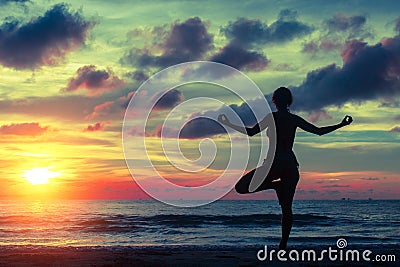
(23, 129)
(101, 109)
(98, 126)
(318, 115)
(94, 81)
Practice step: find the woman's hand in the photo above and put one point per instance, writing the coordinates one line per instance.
(347, 120)
(223, 119)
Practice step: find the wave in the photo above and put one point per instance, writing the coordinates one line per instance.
(123, 223)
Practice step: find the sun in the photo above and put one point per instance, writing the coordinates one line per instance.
(39, 175)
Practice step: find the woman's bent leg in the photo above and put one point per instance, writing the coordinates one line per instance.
(242, 186)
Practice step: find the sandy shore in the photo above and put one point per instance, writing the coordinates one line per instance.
(153, 256)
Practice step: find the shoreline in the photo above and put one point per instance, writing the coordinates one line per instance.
(36, 255)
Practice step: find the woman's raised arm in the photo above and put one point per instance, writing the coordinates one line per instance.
(311, 128)
(250, 131)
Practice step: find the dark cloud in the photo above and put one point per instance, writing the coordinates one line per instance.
(395, 129)
(397, 25)
(44, 40)
(200, 128)
(5, 2)
(370, 178)
(93, 80)
(337, 31)
(368, 72)
(249, 32)
(354, 25)
(138, 75)
(389, 103)
(397, 118)
(169, 100)
(24, 129)
(240, 58)
(334, 186)
(98, 126)
(326, 45)
(183, 42)
(205, 127)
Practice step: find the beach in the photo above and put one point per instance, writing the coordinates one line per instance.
(156, 256)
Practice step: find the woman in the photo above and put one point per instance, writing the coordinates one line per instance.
(284, 166)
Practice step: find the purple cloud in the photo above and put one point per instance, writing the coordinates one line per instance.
(93, 80)
(249, 32)
(44, 40)
(395, 129)
(240, 58)
(183, 42)
(369, 72)
(169, 100)
(336, 31)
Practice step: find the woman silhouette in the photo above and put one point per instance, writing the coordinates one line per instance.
(283, 174)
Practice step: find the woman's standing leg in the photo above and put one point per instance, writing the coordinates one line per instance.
(287, 222)
(285, 194)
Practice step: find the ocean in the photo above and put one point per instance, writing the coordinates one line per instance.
(231, 223)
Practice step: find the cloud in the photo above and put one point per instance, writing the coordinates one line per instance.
(169, 100)
(137, 75)
(397, 25)
(397, 118)
(98, 126)
(5, 2)
(370, 178)
(334, 186)
(190, 40)
(240, 58)
(395, 129)
(250, 32)
(66, 107)
(247, 34)
(204, 127)
(318, 115)
(368, 72)
(110, 107)
(183, 41)
(326, 45)
(200, 128)
(93, 80)
(23, 129)
(336, 31)
(101, 110)
(44, 40)
(353, 25)
(118, 106)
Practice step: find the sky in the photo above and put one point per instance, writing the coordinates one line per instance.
(68, 70)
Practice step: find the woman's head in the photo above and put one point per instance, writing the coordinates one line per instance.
(282, 98)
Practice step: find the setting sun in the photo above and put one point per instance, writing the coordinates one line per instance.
(39, 175)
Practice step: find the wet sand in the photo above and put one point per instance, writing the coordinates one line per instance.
(154, 256)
